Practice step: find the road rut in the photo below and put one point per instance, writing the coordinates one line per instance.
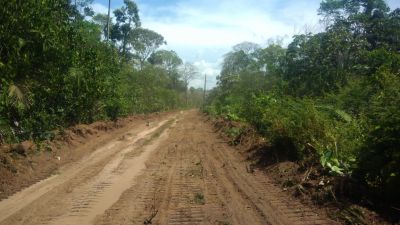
(174, 172)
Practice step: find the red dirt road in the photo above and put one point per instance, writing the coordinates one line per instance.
(175, 171)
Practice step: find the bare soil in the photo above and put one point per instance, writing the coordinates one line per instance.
(19, 170)
(174, 171)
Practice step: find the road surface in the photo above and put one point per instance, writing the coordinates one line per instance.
(174, 171)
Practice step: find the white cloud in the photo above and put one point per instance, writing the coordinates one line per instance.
(393, 3)
(207, 68)
(226, 24)
(211, 70)
(99, 8)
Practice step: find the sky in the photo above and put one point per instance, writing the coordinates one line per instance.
(202, 31)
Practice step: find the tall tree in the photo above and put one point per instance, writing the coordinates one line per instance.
(103, 21)
(127, 19)
(145, 42)
(170, 61)
(361, 16)
(242, 58)
(246, 47)
(188, 73)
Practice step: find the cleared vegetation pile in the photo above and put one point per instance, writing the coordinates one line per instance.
(330, 98)
(61, 65)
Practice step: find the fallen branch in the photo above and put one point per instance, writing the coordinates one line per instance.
(151, 217)
(153, 210)
(307, 174)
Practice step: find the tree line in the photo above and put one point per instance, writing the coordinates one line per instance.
(332, 96)
(62, 64)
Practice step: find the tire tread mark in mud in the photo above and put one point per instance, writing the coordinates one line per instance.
(217, 209)
(183, 190)
(261, 218)
(286, 211)
(138, 199)
(148, 193)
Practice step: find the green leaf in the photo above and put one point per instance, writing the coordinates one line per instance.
(337, 170)
(21, 42)
(343, 115)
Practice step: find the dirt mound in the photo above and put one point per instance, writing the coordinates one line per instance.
(238, 133)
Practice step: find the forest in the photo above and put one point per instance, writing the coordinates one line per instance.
(62, 64)
(332, 97)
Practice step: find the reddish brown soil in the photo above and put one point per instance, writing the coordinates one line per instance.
(18, 171)
(177, 171)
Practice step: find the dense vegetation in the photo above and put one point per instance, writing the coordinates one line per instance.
(333, 96)
(60, 64)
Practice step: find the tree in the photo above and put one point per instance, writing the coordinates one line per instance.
(351, 9)
(81, 9)
(145, 42)
(242, 58)
(127, 19)
(246, 47)
(196, 97)
(170, 61)
(363, 17)
(101, 20)
(271, 59)
(188, 73)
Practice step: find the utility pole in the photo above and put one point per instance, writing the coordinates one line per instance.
(205, 89)
(108, 20)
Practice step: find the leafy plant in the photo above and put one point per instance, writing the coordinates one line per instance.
(331, 162)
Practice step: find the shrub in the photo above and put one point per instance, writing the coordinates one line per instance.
(379, 159)
(302, 128)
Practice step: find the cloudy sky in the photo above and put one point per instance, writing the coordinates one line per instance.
(202, 31)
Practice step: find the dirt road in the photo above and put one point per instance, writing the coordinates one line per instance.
(174, 171)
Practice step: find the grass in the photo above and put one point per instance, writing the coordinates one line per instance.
(199, 198)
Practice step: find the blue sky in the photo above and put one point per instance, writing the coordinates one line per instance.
(202, 31)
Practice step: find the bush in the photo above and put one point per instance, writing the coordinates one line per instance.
(379, 159)
(304, 129)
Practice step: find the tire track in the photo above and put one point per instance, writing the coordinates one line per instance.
(146, 195)
(92, 186)
(268, 199)
(187, 188)
(236, 201)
